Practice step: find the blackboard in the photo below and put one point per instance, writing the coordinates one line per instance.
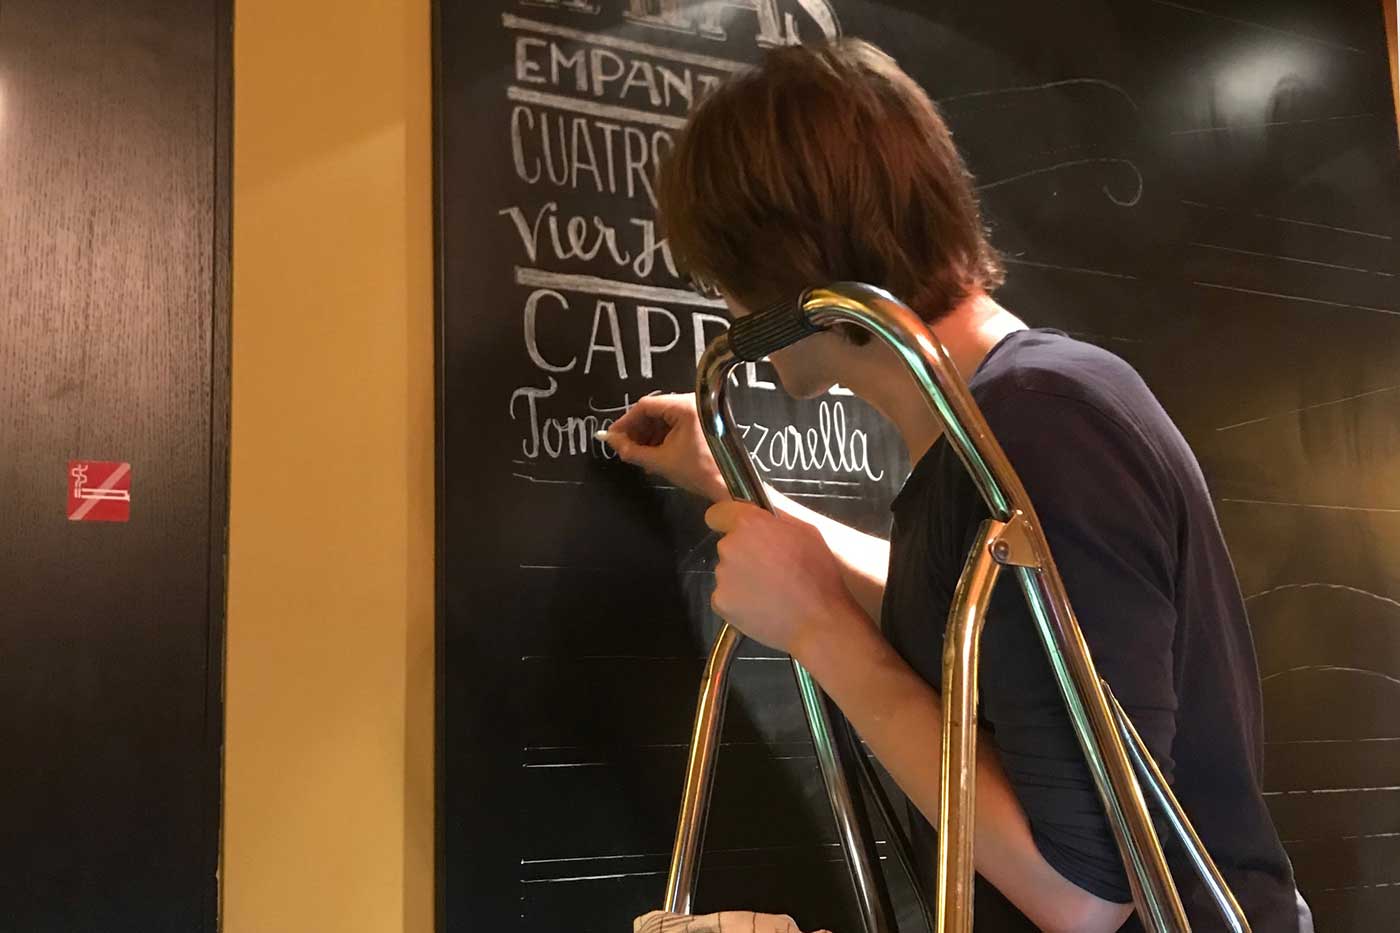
(115, 119)
(1208, 189)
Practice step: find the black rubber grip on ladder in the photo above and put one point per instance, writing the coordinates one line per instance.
(755, 336)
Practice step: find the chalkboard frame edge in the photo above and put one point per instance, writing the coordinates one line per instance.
(439, 921)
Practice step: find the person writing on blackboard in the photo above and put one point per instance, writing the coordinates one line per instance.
(828, 163)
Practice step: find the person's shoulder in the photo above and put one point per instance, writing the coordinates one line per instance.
(1081, 429)
(1053, 365)
(1053, 399)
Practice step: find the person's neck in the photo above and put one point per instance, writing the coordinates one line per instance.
(968, 333)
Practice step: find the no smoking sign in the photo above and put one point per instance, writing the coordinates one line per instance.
(99, 491)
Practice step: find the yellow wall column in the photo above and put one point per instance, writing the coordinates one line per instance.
(328, 783)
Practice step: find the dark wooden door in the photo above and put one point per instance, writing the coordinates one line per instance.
(114, 124)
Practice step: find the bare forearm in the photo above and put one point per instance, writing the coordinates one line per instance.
(864, 558)
(900, 716)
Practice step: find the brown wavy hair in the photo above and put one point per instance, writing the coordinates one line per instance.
(825, 163)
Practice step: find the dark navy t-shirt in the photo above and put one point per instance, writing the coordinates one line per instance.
(1132, 529)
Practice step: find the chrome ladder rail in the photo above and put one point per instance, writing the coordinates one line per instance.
(1012, 538)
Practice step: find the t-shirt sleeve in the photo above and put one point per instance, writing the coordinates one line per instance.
(1104, 502)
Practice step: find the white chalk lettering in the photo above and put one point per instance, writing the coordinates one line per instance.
(603, 74)
(594, 116)
(682, 83)
(637, 162)
(659, 330)
(584, 160)
(610, 309)
(651, 245)
(599, 71)
(565, 148)
(530, 447)
(554, 436)
(585, 237)
(831, 445)
(646, 349)
(549, 235)
(642, 76)
(698, 321)
(526, 70)
(517, 117)
(573, 64)
(751, 371)
(702, 340)
(532, 346)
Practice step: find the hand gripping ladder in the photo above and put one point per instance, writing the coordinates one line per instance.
(1012, 538)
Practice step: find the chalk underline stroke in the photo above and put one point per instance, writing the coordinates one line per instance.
(1290, 220)
(790, 494)
(1325, 586)
(549, 482)
(1314, 505)
(614, 877)
(1299, 259)
(523, 95)
(1272, 123)
(1017, 261)
(810, 482)
(1121, 202)
(1373, 738)
(1308, 408)
(1253, 25)
(1333, 669)
(1030, 88)
(1302, 298)
(595, 284)
(640, 855)
(1364, 887)
(1388, 789)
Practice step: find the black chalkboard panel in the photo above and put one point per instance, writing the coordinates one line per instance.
(1208, 189)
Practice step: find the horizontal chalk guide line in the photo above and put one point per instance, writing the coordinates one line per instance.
(1288, 220)
(1303, 298)
(1312, 505)
(1250, 24)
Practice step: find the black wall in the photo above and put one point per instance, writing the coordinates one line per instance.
(114, 245)
(1208, 189)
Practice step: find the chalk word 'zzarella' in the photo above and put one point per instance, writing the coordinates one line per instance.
(831, 445)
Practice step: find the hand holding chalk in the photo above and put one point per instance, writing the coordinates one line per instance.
(661, 434)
